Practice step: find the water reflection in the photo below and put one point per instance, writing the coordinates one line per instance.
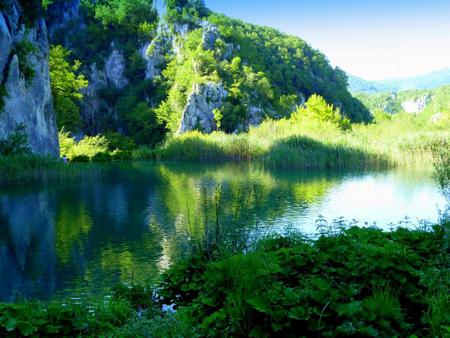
(68, 238)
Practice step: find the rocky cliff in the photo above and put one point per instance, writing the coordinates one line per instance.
(199, 111)
(25, 93)
(116, 60)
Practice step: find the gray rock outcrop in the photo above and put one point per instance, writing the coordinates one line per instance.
(416, 105)
(28, 101)
(210, 35)
(198, 113)
(154, 54)
(255, 116)
(115, 68)
(94, 108)
(64, 18)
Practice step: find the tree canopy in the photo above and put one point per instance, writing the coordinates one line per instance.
(66, 84)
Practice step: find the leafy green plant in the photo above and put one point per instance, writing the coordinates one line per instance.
(66, 88)
(3, 94)
(101, 148)
(354, 282)
(16, 143)
(317, 108)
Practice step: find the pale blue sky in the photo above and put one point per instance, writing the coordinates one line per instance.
(374, 39)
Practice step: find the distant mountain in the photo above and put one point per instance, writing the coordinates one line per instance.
(359, 85)
(426, 81)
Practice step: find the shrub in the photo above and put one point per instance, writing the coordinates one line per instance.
(118, 141)
(80, 158)
(102, 157)
(317, 108)
(355, 282)
(16, 143)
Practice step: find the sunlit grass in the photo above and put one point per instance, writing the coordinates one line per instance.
(314, 144)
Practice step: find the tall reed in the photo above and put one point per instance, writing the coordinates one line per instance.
(311, 144)
(15, 169)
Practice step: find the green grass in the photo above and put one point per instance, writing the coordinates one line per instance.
(15, 169)
(313, 144)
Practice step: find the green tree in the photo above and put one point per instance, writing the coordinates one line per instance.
(143, 125)
(317, 108)
(135, 14)
(66, 88)
(185, 11)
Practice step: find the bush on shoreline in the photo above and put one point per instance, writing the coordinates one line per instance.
(102, 148)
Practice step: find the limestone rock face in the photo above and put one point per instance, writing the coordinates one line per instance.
(210, 35)
(154, 54)
(416, 105)
(64, 17)
(94, 108)
(115, 68)
(255, 115)
(198, 113)
(28, 101)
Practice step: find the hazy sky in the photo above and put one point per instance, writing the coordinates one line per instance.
(374, 39)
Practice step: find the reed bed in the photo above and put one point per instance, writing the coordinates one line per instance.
(15, 169)
(312, 144)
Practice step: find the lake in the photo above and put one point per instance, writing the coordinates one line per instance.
(77, 238)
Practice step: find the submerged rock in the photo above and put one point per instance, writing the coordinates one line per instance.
(198, 113)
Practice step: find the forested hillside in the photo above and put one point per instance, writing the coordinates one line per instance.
(195, 69)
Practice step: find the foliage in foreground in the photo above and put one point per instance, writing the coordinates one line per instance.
(16, 143)
(349, 282)
(358, 282)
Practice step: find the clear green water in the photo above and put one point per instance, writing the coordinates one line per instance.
(79, 238)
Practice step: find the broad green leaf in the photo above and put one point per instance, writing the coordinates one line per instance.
(11, 324)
